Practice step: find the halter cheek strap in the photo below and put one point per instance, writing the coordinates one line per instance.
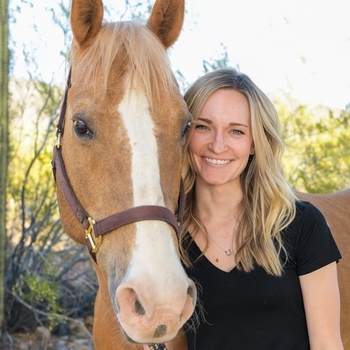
(95, 229)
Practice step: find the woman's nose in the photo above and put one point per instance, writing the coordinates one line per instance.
(218, 144)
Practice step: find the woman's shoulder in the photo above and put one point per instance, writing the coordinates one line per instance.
(311, 241)
(308, 220)
(308, 223)
(307, 211)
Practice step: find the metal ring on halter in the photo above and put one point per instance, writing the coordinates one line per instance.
(94, 241)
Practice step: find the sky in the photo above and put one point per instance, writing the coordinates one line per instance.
(299, 47)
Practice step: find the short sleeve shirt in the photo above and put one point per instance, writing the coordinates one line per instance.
(257, 311)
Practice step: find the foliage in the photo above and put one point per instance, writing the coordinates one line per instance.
(48, 276)
(4, 64)
(39, 291)
(317, 157)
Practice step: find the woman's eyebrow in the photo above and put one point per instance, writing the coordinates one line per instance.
(238, 124)
(205, 120)
(208, 121)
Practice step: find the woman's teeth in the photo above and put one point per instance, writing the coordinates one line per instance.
(217, 161)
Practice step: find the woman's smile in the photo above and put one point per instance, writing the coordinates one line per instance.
(216, 161)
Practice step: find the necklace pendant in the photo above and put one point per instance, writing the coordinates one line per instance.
(228, 252)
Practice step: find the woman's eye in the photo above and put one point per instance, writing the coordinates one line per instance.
(201, 127)
(81, 128)
(237, 132)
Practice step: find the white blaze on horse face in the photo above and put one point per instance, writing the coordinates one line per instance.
(145, 175)
(145, 171)
(155, 275)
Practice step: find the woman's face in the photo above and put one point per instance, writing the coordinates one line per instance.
(221, 142)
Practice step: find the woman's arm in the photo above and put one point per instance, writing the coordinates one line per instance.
(322, 307)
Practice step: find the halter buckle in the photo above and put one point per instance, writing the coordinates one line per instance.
(95, 243)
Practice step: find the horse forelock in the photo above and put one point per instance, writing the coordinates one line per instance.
(144, 59)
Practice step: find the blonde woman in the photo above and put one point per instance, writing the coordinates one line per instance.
(264, 260)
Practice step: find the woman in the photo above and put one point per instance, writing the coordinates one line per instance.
(265, 262)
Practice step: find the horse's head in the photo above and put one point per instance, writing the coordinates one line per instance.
(120, 149)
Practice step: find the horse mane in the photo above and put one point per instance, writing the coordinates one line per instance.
(144, 57)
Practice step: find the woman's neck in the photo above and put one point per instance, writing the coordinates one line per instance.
(219, 202)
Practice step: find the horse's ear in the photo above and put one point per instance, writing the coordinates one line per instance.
(166, 20)
(86, 20)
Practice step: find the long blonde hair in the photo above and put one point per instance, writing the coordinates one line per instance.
(268, 204)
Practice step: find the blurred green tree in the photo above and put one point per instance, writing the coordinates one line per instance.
(317, 139)
(4, 61)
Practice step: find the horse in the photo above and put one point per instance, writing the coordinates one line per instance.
(336, 209)
(117, 165)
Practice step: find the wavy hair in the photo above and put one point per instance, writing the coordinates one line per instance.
(268, 204)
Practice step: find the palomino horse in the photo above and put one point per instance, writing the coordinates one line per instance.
(336, 209)
(118, 171)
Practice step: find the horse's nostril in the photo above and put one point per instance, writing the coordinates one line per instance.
(139, 308)
(160, 331)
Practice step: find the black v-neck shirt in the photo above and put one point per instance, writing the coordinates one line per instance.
(257, 311)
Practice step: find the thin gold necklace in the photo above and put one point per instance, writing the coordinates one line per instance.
(228, 252)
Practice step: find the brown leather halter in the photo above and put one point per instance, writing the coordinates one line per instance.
(95, 229)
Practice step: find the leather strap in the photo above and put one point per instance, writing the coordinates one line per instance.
(61, 177)
(60, 124)
(128, 216)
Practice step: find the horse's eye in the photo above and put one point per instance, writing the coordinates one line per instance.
(186, 128)
(81, 128)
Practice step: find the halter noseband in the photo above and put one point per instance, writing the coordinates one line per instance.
(95, 229)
